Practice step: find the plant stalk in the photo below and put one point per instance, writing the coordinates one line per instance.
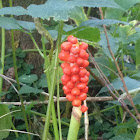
(74, 123)
(46, 60)
(137, 136)
(53, 83)
(18, 85)
(2, 52)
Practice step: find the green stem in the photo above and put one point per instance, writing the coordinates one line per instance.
(13, 127)
(48, 81)
(56, 133)
(137, 136)
(18, 85)
(2, 51)
(58, 106)
(36, 45)
(88, 12)
(74, 123)
(121, 112)
(53, 79)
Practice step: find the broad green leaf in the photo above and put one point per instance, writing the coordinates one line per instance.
(28, 79)
(88, 33)
(5, 122)
(128, 4)
(27, 89)
(121, 138)
(114, 44)
(137, 49)
(26, 25)
(68, 27)
(117, 84)
(60, 9)
(136, 76)
(115, 13)
(9, 23)
(18, 10)
(78, 15)
(98, 22)
(43, 81)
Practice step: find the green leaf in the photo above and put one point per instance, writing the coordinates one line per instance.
(78, 15)
(103, 60)
(121, 137)
(115, 13)
(136, 76)
(18, 10)
(43, 81)
(5, 122)
(98, 22)
(137, 50)
(88, 33)
(60, 9)
(26, 25)
(117, 84)
(27, 89)
(114, 44)
(28, 79)
(9, 23)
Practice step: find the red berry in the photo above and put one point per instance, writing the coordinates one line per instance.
(85, 90)
(86, 56)
(83, 45)
(70, 84)
(63, 56)
(75, 78)
(84, 79)
(64, 83)
(79, 61)
(66, 90)
(87, 74)
(63, 65)
(75, 49)
(70, 97)
(82, 72)
(82, 53)
(76, 102)
(81, 86)
(75, 91)
(85, 63)
(75, 69)
(82, 96)
(65, 78)
(71, 59)
(84, 108)
(67, 71)
(66, 46)
(72, 39)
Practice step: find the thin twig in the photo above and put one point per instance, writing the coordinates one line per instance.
(9, 113)
(118, 68)
(5, 78)
(24, 132)
(61, 99)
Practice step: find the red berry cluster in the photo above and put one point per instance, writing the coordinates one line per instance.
(75, 78)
